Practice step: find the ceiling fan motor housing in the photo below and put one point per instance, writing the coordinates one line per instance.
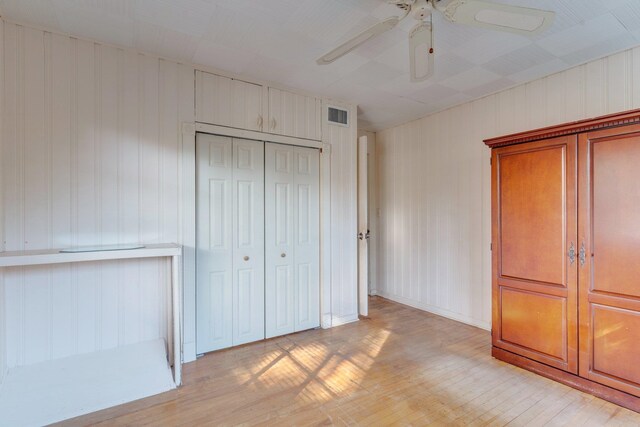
(422, 9)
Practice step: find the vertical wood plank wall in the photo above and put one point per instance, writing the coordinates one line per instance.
(3, 307)
(344, 218)
(434, 177)
(90, 155)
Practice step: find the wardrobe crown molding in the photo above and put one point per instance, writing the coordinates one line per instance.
(580, 126)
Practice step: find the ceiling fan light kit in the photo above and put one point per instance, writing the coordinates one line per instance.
(421, 52)
(478, 13)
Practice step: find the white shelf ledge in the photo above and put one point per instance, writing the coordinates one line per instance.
(57, 390)
(54, 256)
(165, 250)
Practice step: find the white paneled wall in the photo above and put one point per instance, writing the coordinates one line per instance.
(3, 306)
(434, 174)
(90, 155)
(344, 221)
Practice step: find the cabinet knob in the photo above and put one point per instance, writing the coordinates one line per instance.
(246, 258)
(283, 255)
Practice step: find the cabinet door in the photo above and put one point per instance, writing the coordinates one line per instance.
(609, 225)
(534, 239)
(214, 242)
(295, 115)
(248, 241)
(228, 102)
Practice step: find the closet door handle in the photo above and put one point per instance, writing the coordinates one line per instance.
(572, 254)
(582, 255)
(260, 121)
(283, 255)
(273, 123)
(246, 258)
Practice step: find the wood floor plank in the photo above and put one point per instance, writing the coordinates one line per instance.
(401, 367)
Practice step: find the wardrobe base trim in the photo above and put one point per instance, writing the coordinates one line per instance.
(607, 393)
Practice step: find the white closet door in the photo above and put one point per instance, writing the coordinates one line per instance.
(292, 285)
(214, 242)
(306, 199)
(248, 241)
(279, 240)
(230, 242)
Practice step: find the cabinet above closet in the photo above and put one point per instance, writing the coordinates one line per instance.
(230, 102)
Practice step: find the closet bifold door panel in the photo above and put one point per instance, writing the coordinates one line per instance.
(609, 226)
(292, 292)
(535, 251)
(229, 241)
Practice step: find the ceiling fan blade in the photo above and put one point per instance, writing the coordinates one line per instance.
(356, 41)
(421, 52)
(495, 16)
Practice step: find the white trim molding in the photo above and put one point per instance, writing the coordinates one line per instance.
(188, 219)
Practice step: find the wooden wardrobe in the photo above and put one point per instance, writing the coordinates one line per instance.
(566, 254)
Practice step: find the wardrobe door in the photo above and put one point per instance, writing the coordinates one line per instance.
(610, 268)
(248, 241)
(534, 251)
(279, 256)
(214, 242)
(306, 198)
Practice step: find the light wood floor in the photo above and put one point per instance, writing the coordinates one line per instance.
(402, 367)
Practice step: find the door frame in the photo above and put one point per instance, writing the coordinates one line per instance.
(363, 226)
(187, 215)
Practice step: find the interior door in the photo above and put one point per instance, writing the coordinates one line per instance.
(610, 261)
(306, 199)
(363, 227)
(248, 241)
(279, 220)
(535, 251)
(214, 242)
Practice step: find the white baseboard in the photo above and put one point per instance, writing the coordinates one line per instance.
(373, 292)
(343, 320)
(188, 352)
(326, 321)
(437, 310)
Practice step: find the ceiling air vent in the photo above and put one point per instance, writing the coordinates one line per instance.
(338, 116)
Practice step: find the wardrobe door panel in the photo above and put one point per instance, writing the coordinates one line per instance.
(610, 233)
(535, 321)
(534, 230)
(615, 347)
(533, 214)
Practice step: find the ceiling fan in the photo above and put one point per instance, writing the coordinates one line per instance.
(478, 13)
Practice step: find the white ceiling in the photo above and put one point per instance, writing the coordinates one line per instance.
(279, 40)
